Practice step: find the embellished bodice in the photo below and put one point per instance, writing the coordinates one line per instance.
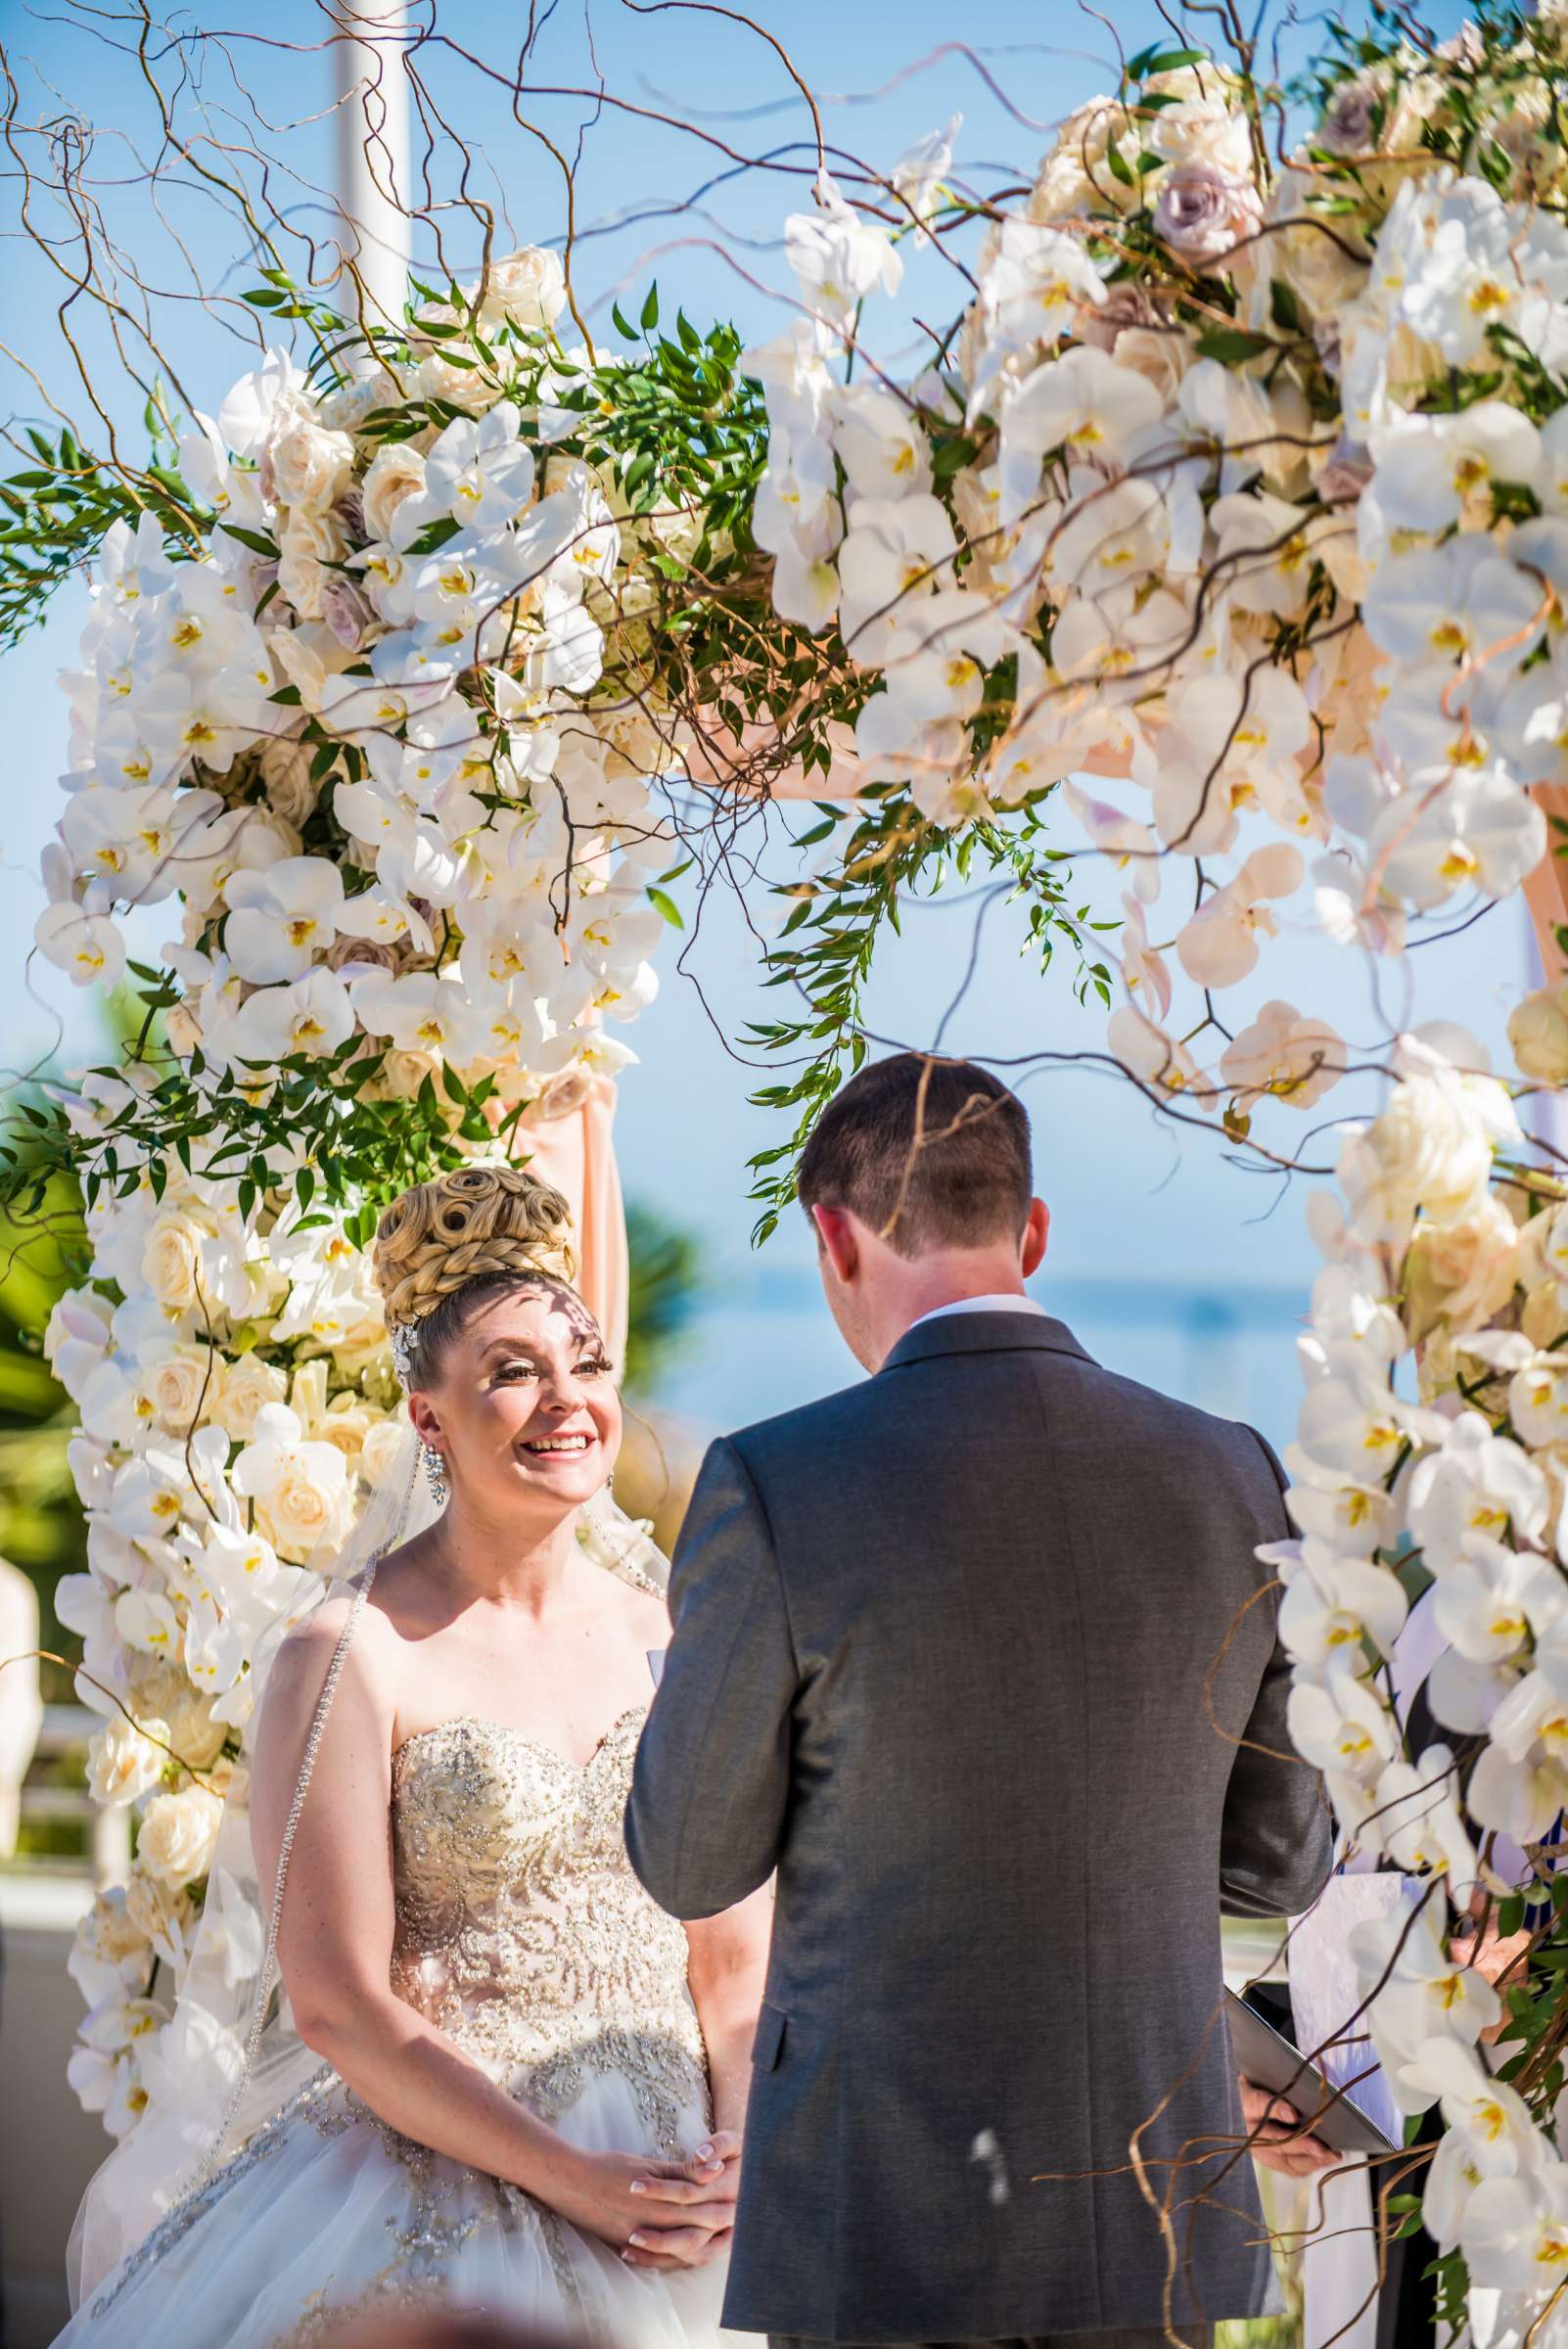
(522, 1931)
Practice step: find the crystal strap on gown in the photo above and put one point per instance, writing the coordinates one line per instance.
(523, 1935)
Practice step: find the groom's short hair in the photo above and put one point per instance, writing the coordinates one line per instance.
(929, 1153)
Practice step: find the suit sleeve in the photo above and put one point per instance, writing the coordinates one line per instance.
(1277, 1841)
(705, 1820)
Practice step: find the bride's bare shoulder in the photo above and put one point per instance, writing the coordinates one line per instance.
(647, 1611)
(309, 1647)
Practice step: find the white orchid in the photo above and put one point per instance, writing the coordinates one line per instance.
(1455, 829)
(1416, 1991)
(90, 947)
(1430, 469)
(1342, 1728)
(312, 1016)
(1083, 404)
(423, 1012)
(838, 258)
(919, 174)
(479, 472)
(1461, 601)
(247, 417)
(1475, 1483)
(1038, 287)
(1285, 1056)
(1158, 1060)
(1219, 946)
(879, 442)
(1492, 1599)
(282, 918)
(1333, 1604)
(1514, 2229)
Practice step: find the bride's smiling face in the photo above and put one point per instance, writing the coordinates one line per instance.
(521, 1400)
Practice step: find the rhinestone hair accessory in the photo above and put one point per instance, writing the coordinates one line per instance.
(402, 1351)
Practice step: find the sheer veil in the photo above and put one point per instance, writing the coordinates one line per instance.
(231, 2057)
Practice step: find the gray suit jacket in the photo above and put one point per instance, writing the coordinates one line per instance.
(965, 1655)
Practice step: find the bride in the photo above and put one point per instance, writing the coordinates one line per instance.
(509, 2081)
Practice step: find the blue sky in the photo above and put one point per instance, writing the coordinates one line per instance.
(1174, 1265)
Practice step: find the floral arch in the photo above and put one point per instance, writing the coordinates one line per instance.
(420, 669)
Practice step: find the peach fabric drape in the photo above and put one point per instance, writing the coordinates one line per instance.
(1546, 889)
(577, 1153)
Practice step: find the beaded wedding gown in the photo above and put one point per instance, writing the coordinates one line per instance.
(523, 1934)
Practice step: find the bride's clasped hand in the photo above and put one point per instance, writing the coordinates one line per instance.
(510, 2079)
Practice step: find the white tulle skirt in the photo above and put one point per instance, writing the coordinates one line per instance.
(328, 2215)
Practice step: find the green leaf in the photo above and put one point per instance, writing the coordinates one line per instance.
(666, 906)
(1283, 308)
(650, 308)
(1163, 61)
(1232, 344)
(257, 540)
(1121, 168)
(433, 535)
(620, 326)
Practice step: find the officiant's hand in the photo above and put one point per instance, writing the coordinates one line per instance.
(702, 2193)
(1276, 2138)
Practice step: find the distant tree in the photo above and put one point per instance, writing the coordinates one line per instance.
(668, 1284)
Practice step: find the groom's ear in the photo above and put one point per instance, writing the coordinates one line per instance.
(1036, 1228)
(835, 1236)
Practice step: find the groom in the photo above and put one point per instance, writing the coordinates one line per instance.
(967, 1654)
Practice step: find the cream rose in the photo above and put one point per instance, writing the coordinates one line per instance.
(1207, 125)
(396, 472)
(312, 542)
(1538, 1031)
(308, 468)
(179, 1835)
(183, 1025)
(123, 1761)
(298, 1487)
(1462, 1273)
(171, 1259)
(380, 1448)
(286, 780)
(243, 1387)
(528, 287)
(403, 1073)
(1427, 1150)
(106, 1935)
(1160, 355)
(181, 1387)
(162, 1913)
(1309, 252)
(464, 387)
(194, 1735)
(1075, 178)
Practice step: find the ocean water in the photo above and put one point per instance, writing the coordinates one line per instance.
(764, 1342)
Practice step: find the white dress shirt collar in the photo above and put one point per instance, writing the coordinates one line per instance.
(979, 1305)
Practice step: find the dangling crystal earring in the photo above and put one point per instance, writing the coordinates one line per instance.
(436, 1475)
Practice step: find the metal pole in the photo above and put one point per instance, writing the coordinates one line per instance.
(373, 179)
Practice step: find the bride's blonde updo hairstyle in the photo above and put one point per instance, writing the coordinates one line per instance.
(446, 1241)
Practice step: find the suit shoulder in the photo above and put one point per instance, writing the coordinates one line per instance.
(1147, 1415)
(783, 1436)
